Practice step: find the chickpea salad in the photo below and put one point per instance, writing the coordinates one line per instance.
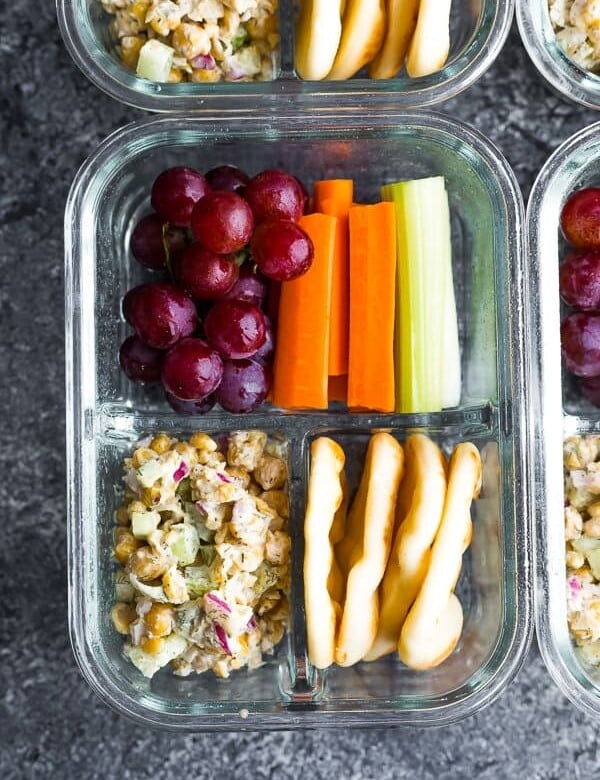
(197, 40)
(203, 553)
(577, 27)
(582, 534)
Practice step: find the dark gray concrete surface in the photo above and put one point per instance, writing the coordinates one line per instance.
(51, 725)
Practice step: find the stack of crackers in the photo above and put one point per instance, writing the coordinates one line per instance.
(380, 574)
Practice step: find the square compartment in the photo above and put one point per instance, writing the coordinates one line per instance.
(107, 414)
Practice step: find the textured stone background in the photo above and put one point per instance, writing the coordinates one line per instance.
(51, 725)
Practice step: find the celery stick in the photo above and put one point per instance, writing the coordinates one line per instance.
(451, 381)
(427, 352)
(155, 61)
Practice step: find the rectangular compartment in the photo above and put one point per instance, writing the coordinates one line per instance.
(558, 410)
(107, 414)
(478, 30)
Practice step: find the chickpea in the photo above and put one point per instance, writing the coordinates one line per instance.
(146, 565)
(142, 455)
(592, 527)
(152, 644)
(160, 444)
(122, 615)
(159, 620)
(202, 441)
(122, 516)
(126, 545)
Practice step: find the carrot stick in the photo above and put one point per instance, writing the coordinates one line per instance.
(334, 196)
(302, 348)
(372, 307)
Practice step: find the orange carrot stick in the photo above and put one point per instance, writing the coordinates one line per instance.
(334, 196)
(302, 346)
(372, 307)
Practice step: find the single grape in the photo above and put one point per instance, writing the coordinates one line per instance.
(275, 195)
(191, 407)
(264, 354)
(227, 177)
(580, 218)
(174, 193)
(204, 274)
(251, 286)
(191, 370)
(580, 340)
(236, 329)
(244, 386)
(147, 241)
(127, 303)
(140, 362)
(161, 314)
(222, 222)
(282, 250)
(579, 280)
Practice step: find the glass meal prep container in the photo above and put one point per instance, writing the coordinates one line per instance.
(559, 410)
(478, 30)
(108, 414)
(548, 56)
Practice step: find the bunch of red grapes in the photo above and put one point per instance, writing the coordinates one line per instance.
(580, 288)
(223, 237)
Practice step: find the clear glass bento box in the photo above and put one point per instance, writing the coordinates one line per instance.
(559, 410)
(107, 414)
(478, 30)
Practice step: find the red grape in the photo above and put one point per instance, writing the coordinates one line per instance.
(236, 329)
(204, 274)
(147, 241)
(264, 354)
(282, 250)
(275, 195)
(161, 314)
(175, 192)
(222, 222)
(580, 338)
(244, 386)
(580, 218)
(227, 177)
(191, 407)
(191, 370)
(580, 280)
(127, 303)
(251, 286)
(140, 362)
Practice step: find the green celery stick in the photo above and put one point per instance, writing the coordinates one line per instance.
(427, 351)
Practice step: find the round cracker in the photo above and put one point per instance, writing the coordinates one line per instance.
(325, 496)
(363, 553)
(434, 623)
(419, 512)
